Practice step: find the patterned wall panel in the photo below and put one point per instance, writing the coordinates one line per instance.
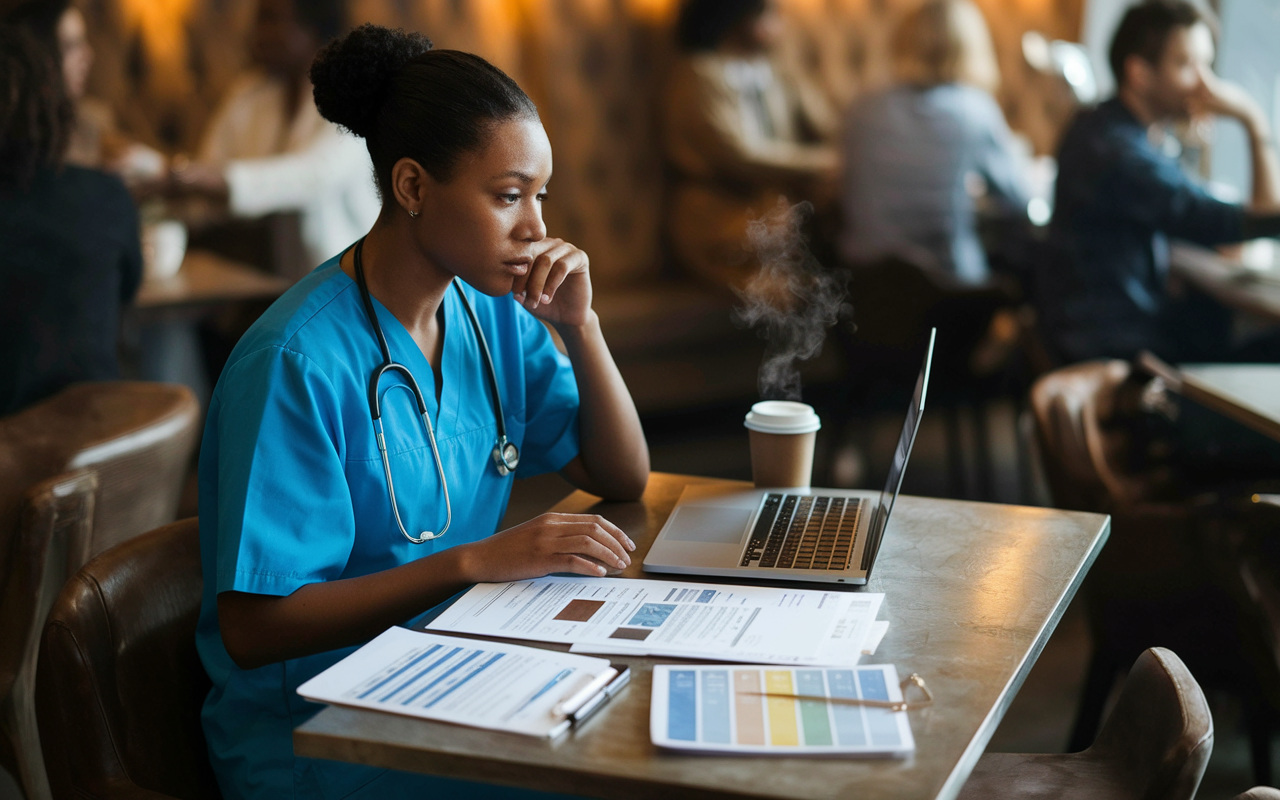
(593, 67)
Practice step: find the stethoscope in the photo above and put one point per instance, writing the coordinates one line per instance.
(506, 456)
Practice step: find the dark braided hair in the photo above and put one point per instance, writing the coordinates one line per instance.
(35, 113)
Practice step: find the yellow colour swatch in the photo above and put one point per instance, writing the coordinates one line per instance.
(782, 710)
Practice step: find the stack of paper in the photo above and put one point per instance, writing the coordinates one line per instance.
(467, 682)
(616, 616)
(771, 711)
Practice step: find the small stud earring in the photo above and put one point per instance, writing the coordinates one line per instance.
(413, 213)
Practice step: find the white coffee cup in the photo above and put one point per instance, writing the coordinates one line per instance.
(782, 433)
(164, 245)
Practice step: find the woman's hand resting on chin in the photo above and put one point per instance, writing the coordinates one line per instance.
(557, 286)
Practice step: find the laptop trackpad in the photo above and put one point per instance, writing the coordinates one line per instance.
(710, 524)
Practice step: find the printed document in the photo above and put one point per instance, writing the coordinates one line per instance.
(752, 624)
(781, 712)
(503, 687)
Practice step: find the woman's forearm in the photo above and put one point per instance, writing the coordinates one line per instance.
(614, 454)
(263, 629)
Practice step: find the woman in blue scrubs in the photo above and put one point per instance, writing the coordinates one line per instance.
(302, 554)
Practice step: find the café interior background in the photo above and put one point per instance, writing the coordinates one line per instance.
(594, 67)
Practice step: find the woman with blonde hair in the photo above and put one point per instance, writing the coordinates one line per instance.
(917, 152)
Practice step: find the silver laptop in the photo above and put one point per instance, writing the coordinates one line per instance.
(808, 534)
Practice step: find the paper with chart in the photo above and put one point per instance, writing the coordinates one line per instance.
(464, 681)
(728, 709)
(643, 617)
(845, 643)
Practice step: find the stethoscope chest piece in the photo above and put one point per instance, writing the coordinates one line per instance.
(506, 456)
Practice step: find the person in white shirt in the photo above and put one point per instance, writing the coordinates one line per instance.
(268, 150)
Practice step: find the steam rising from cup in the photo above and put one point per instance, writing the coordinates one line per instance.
(791, 301)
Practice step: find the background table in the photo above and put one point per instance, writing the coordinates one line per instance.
(973, 591)
(1230, 282)
(1247, 393)
(206, 280)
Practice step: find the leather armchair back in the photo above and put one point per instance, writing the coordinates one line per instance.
(119, 683)
(1071, 406)
(138, 437)
(1160, 728)
(54, 521)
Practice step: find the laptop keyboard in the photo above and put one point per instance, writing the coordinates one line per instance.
(803, 532)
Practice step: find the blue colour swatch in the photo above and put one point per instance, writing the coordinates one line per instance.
(880, 721)
(682, 709)
(715, 706)
(848, 719)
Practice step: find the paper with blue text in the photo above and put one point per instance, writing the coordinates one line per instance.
(470, 682)
(620, 616)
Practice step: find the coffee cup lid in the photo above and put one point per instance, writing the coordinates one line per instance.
(782, 416)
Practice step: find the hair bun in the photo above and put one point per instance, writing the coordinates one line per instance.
(350, 75)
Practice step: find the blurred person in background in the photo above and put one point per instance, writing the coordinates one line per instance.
(268, 150)
(916, 154)
(739, 134)
(1119, 199)
(69, 251)
(94, 139)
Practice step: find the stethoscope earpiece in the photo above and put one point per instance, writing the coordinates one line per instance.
(506, 456)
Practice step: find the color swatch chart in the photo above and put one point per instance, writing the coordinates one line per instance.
(757, 709)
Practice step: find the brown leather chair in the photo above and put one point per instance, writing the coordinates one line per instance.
(1160, 580)
(119, 684)
(1154, 746)
(1071, 406)
(138, 437)
(54, 523)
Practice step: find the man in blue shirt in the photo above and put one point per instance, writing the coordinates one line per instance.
(1120, 199)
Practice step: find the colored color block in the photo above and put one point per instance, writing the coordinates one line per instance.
(848, 719)
(682, 705)
(748, 706)
(715, 706)
(880, 721)
(813, 713)
(580, 610)
(652, 615)
(782, 710)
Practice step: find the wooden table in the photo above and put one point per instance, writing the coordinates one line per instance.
(1230, 282)
(206, 280)
(973, 591)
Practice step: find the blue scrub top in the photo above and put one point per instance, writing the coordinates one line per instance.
(292, 489)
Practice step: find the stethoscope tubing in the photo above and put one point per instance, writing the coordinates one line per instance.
(506, 456)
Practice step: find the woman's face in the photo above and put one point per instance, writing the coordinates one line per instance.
(485, 224)
(77, 55)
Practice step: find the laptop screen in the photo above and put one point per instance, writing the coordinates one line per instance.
(894, 482)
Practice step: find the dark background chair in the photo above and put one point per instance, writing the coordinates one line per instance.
(138, 437)
(54, 523)
(119, 684)
(1155, 746)
(1162, 579)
